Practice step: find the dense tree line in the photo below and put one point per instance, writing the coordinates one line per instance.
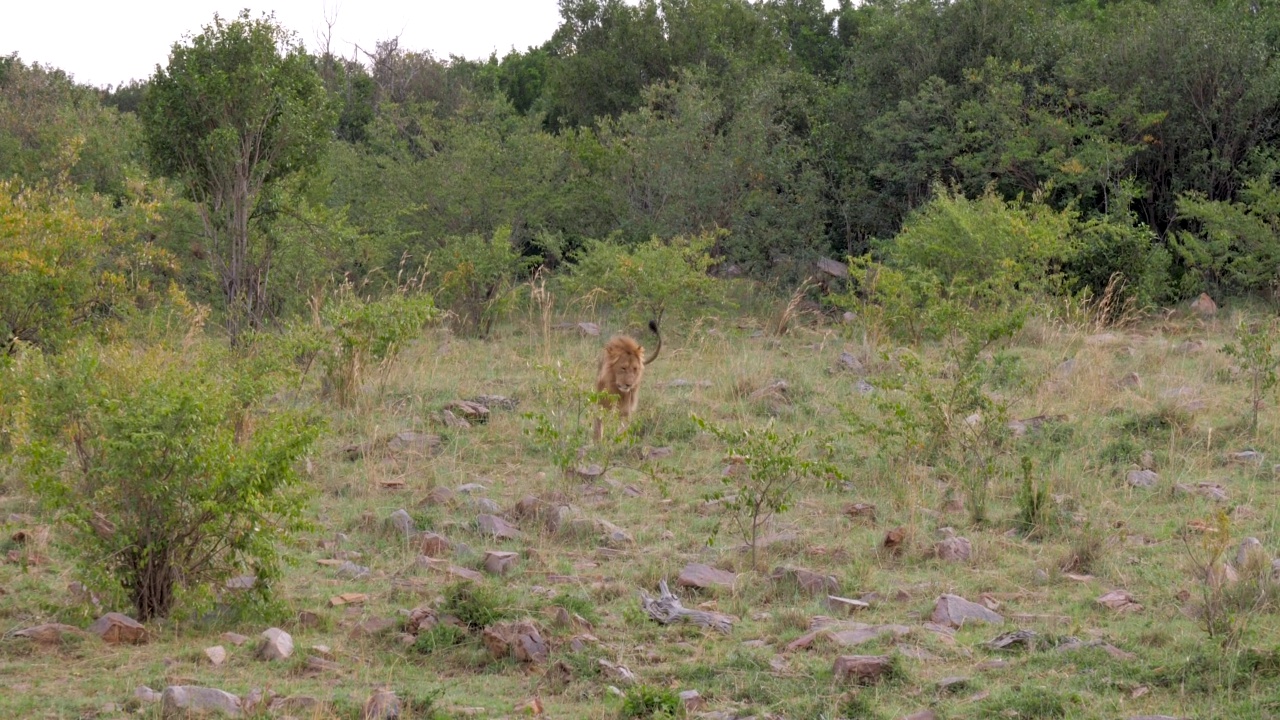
(801, 131)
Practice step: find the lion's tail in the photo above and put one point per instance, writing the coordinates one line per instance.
(653, 325)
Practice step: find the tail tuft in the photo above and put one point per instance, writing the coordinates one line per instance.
(653, 326)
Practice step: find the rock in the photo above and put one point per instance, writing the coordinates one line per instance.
(861, 511)
(617, 673)
(181, 701)
(697, 575)
(433, 545)
(115, 628)
(49, 633)
(520, 640)
(1131, 380)
(1025, 639)
(413, 443)
(1246, 457)
(401, 520)
(298, 706)
(1204, 306)
(1142, 478)
(921, 715)
(863, 669)
(780, 539)
(499, 562)
(439, 495)
(382, 705)
(953, 683)
(692, 701)
(808, 581)
(859, 635)
(308, 619)
(276, 645)
(469, 409)
(216, 654)
(1212, 491)
(234, 638)
(351, 570)
(955, 611)
(146, 694)
(318, 665)
(848, 361)
(453, 421)
(1251, 551)
(496, 527)
(373, 627)
(954, 549)
(444, 566)
(1120, 601)
(845, 606)
(485, 505)
(895, 540)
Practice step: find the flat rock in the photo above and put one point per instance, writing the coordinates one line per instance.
(235, 638)
(382, 705)
(955, 611)
(49, 633)
(808, 581)
(697, 575)
(439, 495)
(373, 627)
(216, 654)
(276, 645)
(116, 628)
(444, 566)
(862, 669)
(845, 606)
(1120, 601)
(499, 562)
(178, 701)
(1142, 478)
(496, 527)
(954, 549)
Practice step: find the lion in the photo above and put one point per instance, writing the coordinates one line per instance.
(621, 369)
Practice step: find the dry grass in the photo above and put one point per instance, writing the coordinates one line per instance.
(1185, 411)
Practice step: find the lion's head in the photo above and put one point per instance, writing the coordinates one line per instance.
(624, 363)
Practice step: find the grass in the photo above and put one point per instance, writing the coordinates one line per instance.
(1186, 413)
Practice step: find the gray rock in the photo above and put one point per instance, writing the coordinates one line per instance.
(276, 645)
(954, 549)
(401, 520)
(382, 705)
(697, 575)
(471, 489)
(1142, 478)
(955, 611)
(1249, 548)
(115, 628)
(485, 505)
(351, 570)
(179, 701)
(495, 526)
(499, 562)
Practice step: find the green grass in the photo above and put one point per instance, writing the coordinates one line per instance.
(1093, 524)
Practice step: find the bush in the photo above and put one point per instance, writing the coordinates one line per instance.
(983, 248)
(1105, 247)
(645, 281)
(476, 605)
(167, 477)
(643, 701)
(476, 278)
(1235, 245)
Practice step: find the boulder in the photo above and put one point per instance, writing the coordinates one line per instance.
(115, 628)
(185, 701)
(276, 645)
(862, 668)
(955, 611)
(1204, 306)
(496, 527)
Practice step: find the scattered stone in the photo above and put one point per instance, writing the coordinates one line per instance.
(469, 409)
(692, 700)
(276, 645)
(863, 669)
(216, 654)
(373, 627)
(589, 472)
(453, 421)
(955, 611)
(298, 706)
(1204, 306)
(485, 505)
(954, 549)
(115, 628)
(697, 575)
(862, 387)
(499, 562)
(846, 606)
(234, 638)
(954, 683)
(520, 640)
(318, 665)
(808, 581)
(1251, 548)
(1246, 457)
(656, 453)
(348, 599)
(471, 489)
(781, 539)
(1142, 478)
(439, 495)
(179, 701)
(1120, 601)
(895, 540)
(49, 633)
(146, 694)
(351, 570)
(617, 673)
(1131, 380)
(1212, 491)
(444, 566)
(496, 527)
(861, 511)
(413, 443)
(432, 544)
(1024, 639)
(382, 705)
(847, 361)
(401, 520)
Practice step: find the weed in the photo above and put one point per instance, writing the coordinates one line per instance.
(440, 636)
(475, 604)
(1035, 505)
(644, 701)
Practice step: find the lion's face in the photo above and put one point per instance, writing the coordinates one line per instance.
(627, 369)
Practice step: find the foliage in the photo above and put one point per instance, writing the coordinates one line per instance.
(643, 282)
(236, 111)
(903, 302)
(478, 278)
(477, 605)
(1237, 245)
(162, 466)
(355, 331)
(986, 248)
(439, 637)
(1255, 351)
(646, 701)
(769, 467)
(1035, 504)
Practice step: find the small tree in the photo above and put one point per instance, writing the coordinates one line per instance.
(238, 109)
(770, 468)
(1254, 349)
(164, 484)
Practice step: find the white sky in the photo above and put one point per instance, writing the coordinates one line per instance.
(105, 42)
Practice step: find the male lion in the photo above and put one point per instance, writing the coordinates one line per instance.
(621, 368)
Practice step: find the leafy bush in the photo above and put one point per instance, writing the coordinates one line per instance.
(167, 477)
(645, 281)
(644, 701)
(890, 300)
(476, 605)
(477, 278)
(1253, 347)
(1105, 247)
(983, 248)
(357, 331)
(1235, 245)
(439, 637)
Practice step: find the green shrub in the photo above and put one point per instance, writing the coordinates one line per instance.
(159, 462)
(439, 637)
(643, 282)
(643, 701)
(477, 605)
(1235, 245)
(476, 278)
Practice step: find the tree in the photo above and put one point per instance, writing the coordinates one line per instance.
(238, 110)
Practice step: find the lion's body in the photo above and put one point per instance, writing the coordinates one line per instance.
(620, 371)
